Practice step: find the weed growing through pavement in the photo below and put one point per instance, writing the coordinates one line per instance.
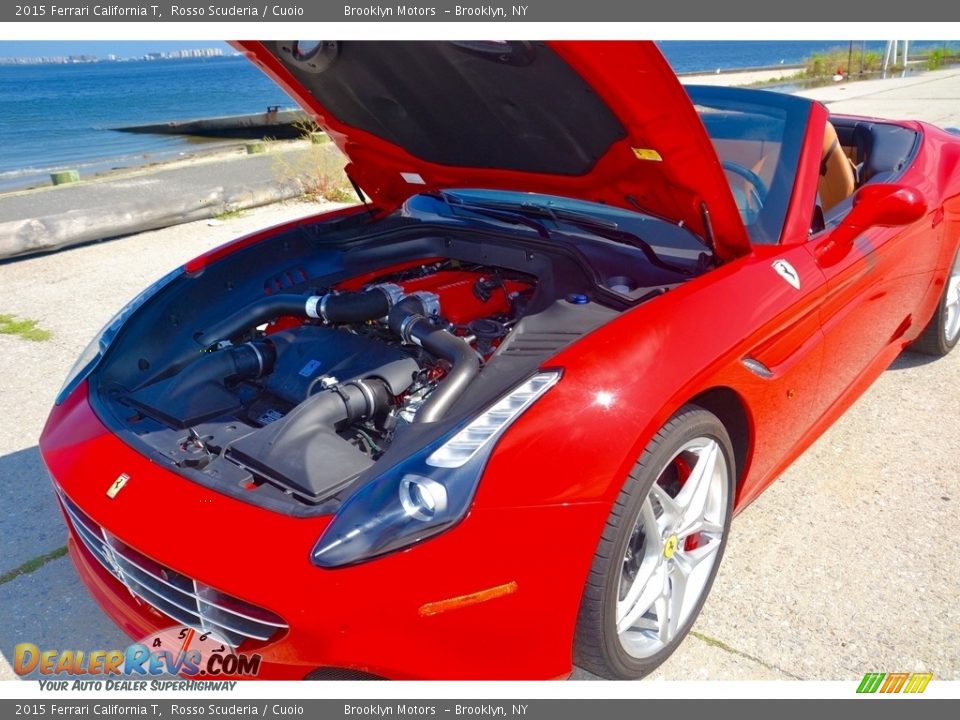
(228, 215)
(317, 171)
(26, 329)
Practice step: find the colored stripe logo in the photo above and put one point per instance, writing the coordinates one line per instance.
(894, 682)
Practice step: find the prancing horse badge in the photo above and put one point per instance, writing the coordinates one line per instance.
(787, 272)
(117, 485)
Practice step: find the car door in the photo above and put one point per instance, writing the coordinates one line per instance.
(761, 140)
(783, 360)
(874, 286)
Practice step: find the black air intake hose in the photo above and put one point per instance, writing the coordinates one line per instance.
(349, 403)
(263, 310)
(407, 321)
(253, 359)
(241, 362)
(283, 442)
(302, 450)
(334, 308)
(356, 307)
(198, 392)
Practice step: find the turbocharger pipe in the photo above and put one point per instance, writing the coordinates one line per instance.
(408, 321)
(333, 308)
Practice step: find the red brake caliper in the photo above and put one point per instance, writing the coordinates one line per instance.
(683, 474)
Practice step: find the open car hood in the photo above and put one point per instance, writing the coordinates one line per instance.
(602, 121)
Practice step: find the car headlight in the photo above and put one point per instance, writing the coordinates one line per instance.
(93, 353)
(427, 493)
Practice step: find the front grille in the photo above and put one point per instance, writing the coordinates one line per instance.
(183, 599)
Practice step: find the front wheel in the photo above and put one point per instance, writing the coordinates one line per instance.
(660, 549)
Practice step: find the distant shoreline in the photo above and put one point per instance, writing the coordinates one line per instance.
(195, 54)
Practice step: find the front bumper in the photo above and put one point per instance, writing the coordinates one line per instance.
(369, 617)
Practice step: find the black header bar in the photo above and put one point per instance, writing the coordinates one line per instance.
(578, 11)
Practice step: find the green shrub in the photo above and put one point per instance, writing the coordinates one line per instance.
(826, 64)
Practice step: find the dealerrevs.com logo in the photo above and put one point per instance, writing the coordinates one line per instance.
(894, 682)
(179, 650)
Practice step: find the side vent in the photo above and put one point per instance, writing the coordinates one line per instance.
(285, 281)
(528, 344)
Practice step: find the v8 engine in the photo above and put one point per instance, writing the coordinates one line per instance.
(323, 381)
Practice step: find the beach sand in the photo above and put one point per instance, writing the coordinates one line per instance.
(738, 78)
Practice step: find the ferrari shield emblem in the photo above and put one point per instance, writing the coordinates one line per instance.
(117, 485)
(787, 272)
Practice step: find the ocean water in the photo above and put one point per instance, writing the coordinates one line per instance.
(61, 116)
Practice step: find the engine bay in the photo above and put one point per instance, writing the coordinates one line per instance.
(302, 365)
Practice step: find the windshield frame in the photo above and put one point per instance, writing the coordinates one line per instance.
(794, 114)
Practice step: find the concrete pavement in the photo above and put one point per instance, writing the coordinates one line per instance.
(138, 200)
(930, 96)
(933, 97)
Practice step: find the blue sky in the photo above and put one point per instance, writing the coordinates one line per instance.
(101, 48)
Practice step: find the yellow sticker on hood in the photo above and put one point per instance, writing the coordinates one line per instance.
(647, 154)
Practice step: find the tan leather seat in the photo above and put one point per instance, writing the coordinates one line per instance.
(837, 179)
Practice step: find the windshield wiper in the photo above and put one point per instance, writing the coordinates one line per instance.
(607, 229)
(506, 213)
(519, 214)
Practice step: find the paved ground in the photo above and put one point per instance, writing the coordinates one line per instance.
(933, 97)
(133, 201)
(849, 563)
(163, 184)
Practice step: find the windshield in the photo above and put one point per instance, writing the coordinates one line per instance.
(757, 136)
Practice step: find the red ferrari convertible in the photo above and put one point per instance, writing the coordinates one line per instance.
(495, 420)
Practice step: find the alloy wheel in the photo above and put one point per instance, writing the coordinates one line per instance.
(668, 564)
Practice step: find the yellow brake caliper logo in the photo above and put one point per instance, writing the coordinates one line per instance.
(670, 547)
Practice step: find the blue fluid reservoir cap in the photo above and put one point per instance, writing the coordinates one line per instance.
(578, 299)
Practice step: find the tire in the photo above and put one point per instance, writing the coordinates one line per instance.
(633, 561)
(941, 334)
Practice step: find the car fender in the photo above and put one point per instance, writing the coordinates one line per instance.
(623, 381)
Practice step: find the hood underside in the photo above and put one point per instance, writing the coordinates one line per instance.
(602, 121)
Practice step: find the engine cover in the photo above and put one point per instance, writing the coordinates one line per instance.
(309, 353)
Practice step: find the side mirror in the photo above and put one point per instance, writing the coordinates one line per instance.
(880, 205)
(885, 205)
